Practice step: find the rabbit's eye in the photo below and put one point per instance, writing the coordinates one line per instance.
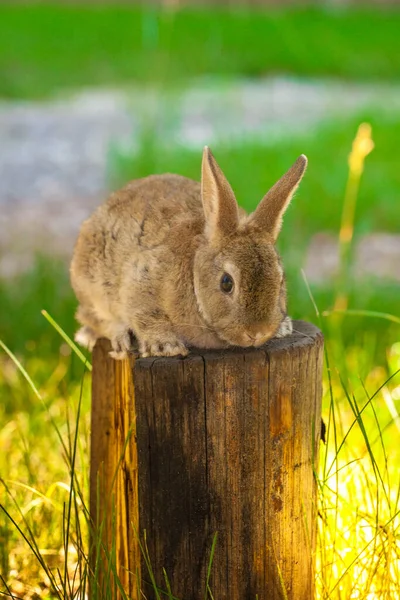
(226, 283)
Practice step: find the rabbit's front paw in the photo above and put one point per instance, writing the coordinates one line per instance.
(86, 337)
(121, 345)
(285, 328)
(174, 348)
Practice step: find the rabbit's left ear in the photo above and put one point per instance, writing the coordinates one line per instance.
(219, 202)
(268, 215)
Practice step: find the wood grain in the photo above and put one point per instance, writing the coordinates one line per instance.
(224, 445)
(113, 471)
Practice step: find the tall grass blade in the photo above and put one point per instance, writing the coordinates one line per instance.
(209, 567)
(34, 549)
(345, 437)
(72, 479)
(280, 576)
(145, 553)
(363, 313)
(67, 339)
(21, 369)
(8, 592)
(169, 591)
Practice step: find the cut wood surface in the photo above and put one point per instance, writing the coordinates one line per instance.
(223, 444)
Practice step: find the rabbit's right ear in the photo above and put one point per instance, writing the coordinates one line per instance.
(219, 202)
(268, 215)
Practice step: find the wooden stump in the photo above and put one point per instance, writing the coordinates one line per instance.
(222, 443)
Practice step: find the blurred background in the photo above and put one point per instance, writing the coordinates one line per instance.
(93, 94)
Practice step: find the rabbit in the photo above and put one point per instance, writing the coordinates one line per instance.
(177, 264)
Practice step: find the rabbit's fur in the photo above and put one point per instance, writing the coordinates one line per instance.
(148, 263)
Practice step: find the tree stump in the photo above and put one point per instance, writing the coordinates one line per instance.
(218, 446)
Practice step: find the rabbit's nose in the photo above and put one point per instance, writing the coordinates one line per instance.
(254, 338)
(257, 337)
(261, 336)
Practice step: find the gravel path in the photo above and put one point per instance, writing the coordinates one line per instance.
(53, 155)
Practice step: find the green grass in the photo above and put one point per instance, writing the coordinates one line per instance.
(25, 330)
(46, 49)
(252, 167)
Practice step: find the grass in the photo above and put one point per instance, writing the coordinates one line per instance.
(359, 489)
(44, 430)
(316, 206)
(358, 480)
(47, 48)
(34, 440)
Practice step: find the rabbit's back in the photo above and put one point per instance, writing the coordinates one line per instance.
(155, 204)
(135, 226)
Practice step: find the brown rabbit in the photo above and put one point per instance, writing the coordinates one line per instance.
(178, 264)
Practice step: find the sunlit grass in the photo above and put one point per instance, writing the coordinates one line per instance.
(358, 552)
(359, 525)
(43, 449)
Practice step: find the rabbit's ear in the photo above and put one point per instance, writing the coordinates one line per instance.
(219, 202)
(268, 215)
